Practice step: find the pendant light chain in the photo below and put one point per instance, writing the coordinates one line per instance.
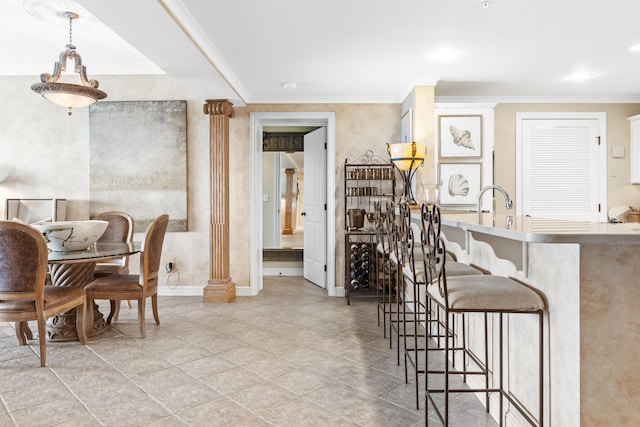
(70, 30)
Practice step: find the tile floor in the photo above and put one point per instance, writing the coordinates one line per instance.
(290, 357)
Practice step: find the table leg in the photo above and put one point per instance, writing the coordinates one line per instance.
(63, 327)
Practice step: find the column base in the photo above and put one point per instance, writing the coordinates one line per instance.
(287, 231)
(219, 291)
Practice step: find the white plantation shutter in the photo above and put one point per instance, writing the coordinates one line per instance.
(560, 173)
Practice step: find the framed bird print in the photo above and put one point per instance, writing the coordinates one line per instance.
(460, 136)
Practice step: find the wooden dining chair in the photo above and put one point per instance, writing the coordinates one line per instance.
(23, 294)
(120, 229)
(139, 287)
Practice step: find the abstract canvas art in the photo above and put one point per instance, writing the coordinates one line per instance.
(138, 160)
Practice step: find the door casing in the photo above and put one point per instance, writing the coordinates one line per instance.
(257, 121)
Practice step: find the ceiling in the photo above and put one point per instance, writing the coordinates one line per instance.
(344, 51)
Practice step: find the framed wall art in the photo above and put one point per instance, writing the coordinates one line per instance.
(461, 183)
(138, 160)
(460, 136)
(406, 124)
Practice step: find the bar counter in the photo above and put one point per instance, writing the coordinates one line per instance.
(589, 274)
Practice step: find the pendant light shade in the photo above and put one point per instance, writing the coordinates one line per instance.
(407, 157)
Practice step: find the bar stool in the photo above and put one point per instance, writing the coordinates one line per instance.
(414, 277)
(486, 294)
(395, 261)
(383, 267)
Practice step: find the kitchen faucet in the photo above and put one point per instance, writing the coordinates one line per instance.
(507, 200)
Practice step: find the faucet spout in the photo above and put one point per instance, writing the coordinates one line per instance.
(507, 200)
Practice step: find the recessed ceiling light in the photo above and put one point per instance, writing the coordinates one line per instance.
(635, 48)
(289, 86)
(444, 54)
(581, 76)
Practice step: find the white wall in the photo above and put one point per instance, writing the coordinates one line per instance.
(270, 236)
(48, 152)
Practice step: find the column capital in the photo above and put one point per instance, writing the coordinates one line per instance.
(218, 107)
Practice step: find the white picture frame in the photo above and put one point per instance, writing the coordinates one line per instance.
(461, 183)
(406, 126)
(460, 136)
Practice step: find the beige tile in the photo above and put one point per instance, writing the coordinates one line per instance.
(159, 380)
(17, 376)
(207, 366)
(86, 420)
(185, 396)
(132, 413)
(244, 354)
(222, 412)
(262, 396)
(106, 396)
(383, 414)
(49, 413)
(184, 354)
(302, 381)
(374, 382)
(299, 412)
(232, 380)
(141, 365)
(171, 421)
(290, 356)
(23, 397)
(339, 397)
(271, 367)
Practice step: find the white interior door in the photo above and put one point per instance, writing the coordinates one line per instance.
(315, 214)
(561, 168)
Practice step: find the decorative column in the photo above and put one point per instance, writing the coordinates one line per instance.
(219, 287)
(288, 200)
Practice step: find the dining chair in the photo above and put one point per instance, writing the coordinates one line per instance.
(120, 229)
(23, 294)
(117, 287)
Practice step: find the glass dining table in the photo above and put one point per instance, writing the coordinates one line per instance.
(75, 269)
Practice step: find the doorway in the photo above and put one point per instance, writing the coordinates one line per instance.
(283, 200)
(283, 190)
(258, 123)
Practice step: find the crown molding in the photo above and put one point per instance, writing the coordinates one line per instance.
(537, 99)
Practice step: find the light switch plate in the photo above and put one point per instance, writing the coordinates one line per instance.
(617, 152)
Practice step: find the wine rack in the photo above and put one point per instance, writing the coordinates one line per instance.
(367, 180)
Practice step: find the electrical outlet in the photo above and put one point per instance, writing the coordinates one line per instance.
(171, 265)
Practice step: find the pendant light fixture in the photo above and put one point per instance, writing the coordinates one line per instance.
(68, 94)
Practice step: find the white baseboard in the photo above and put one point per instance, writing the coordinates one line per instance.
(197, 291)
(244, 291)
(180, 291)
(275, 271)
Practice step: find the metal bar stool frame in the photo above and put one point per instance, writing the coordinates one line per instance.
(383, 268)
(434, 265)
